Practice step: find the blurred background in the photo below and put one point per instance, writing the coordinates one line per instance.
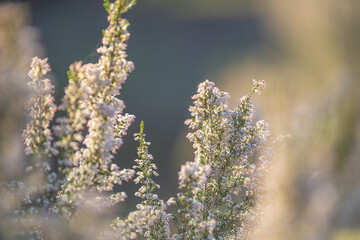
(307, 51)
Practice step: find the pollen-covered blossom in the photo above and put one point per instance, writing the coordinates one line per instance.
(224, 139)
(100, 85)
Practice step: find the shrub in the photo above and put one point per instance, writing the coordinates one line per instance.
(71, 173)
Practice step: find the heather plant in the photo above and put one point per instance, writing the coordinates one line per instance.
(96, 104)
(72, 165)
(217, 185)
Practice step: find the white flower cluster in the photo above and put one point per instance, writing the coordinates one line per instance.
(190, 221)
(193, 175)
(37, 134)
(224, 140)
(92, 98)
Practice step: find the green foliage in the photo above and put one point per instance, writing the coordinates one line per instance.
(106, 5)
